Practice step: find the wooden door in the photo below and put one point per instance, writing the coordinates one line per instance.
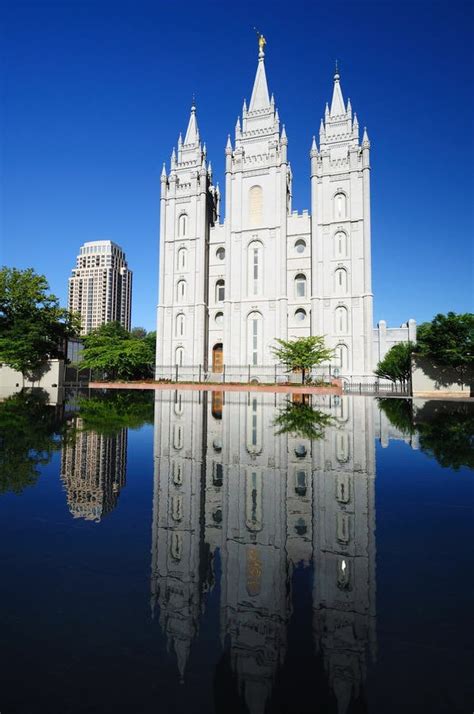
(217, 358)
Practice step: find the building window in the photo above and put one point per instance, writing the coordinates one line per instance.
(182, 225)
(177, 508)
(220, 291)
(182, 259)
(300, 314)
(340, 245)
(340, 206)
(180, 319)
(178, 436)
(254, 280)
(300, 285)
(219, 318)
(300, 245)
(220, 254)
(181, 291)
(253, 519)
(217, 474)
(341, 320)
(179, 356)
(300, 483)
(342, 356)
(254, 338)
(256, 206)
(340, 277)
(342, 446)
(300, 451)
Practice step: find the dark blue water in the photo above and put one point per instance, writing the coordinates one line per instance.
(235, 553)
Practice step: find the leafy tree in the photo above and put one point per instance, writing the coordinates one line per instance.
(302, 354)
(112, 350)
(139, 332)
(399, 413)
(396, 365)
(300, 419)
(447, 435)
(30, 432)
(33, 327)
(448, 340)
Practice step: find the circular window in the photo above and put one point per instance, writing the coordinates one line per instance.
(300, 315)
(220, 253)
(300, 450)
(300, 245)
(219, 318)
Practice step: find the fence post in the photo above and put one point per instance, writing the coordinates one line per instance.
(199, 373)
(249, 374)
(360, 387)
(223, 373)
(176, 373)
(275, 373)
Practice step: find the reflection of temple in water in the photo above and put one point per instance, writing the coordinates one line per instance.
(93, 471)
(224, 483)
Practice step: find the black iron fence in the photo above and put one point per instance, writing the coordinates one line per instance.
(374, 385)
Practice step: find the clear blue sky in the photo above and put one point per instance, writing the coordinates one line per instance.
(96, 93)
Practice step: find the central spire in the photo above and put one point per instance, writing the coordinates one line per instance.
(260, 97)
(192, 133)
(337, 104)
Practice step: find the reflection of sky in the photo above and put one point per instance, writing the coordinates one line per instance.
(75, 600)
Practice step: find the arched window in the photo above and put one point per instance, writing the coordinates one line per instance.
(343, 492)
(177, 508)
(176, 545)
(342, 356)
(254, 338)
(179, 356)
(340, 245)
(300, 483)
(180, 322)
(220, 291)
(300, 245)
(220, 254)
(181, 291)
(255, 272)
(177, 474)
(300, 285)
(341, 320)
(343, 527)
(301, 527)
(254, 427)
(256, 206)
(182, 259)
(340, 279)
(342, 446)
(219, 318)
(178, 403)
(300, 314)
(182, 225)
(340, 205)
(217, 474)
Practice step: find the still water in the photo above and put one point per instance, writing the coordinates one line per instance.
(235, 554)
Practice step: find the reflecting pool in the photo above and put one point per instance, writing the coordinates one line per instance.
(235, 553)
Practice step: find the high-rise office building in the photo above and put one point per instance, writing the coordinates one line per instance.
(100, 287)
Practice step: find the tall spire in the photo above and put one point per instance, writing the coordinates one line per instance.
(260, 98)
(192, 133)
(337, 104)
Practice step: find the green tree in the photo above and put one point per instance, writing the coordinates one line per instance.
(447, 435)
(33, 327)
(396, 365)
(300, 419)
(112, 350)
(302, 354)
(112, 410)
(139, 332)
(448, 341)
(400, 413)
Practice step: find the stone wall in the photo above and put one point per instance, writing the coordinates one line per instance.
(429, 380)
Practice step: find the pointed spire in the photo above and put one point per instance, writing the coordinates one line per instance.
(244, 108)
(237, 127)
(260, 98)
(180, 140)
(337, 104)
(277, 116)
(192, 133)
(365, 139)
(326, 112)
(284, 138)
(349, 107)
(322, 130)
(209, 168)
(272, 100)
(228, 146)
(314, 147)
(163, 172)
(173, 159)
(204, 149)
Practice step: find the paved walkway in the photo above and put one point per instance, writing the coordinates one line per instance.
(336, 387)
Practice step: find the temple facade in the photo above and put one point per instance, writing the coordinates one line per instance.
(230, 285)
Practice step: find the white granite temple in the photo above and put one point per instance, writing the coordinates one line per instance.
(229, 287)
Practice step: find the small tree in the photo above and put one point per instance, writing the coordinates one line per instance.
(139, 332)
(111, 349)
(33, 327)
(300, 419)
(448, 340)
(302, 354)
(396, 365)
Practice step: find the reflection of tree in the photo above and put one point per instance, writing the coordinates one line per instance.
(300, 419)
(399, 413)
(445, 429)
(447, 434)
(30, 432)
(111, 411)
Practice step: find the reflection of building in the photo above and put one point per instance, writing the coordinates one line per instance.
(93, 470)
(100, 287)
(227, 488)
